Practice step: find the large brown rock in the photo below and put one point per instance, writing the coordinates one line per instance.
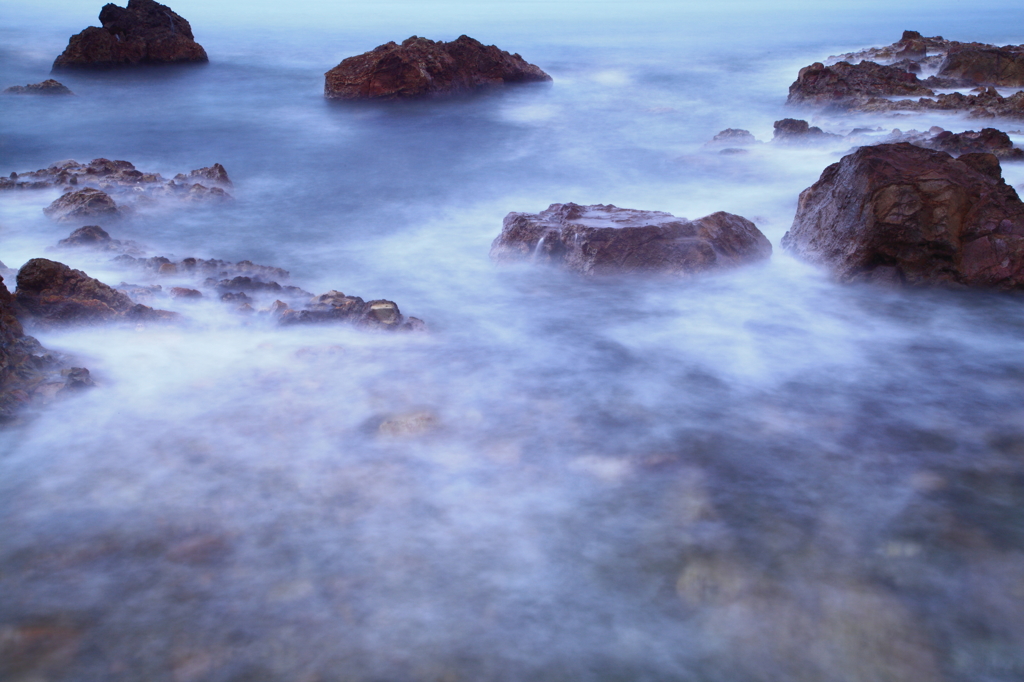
(898, 213)
(985, 65)
(605, 239)
(52, 293)
(144, 32)
(420, 67)
(84, 204)
(845, 83)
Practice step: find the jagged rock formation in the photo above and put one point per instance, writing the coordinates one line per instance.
(898, 213)
(144, 32)
(420, 67)
(605, 239)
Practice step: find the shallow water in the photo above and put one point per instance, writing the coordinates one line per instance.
(757, 475)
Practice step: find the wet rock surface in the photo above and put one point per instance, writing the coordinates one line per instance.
(144, 32)
(420, 67)
(797, 131)
(605, 239)
(47, 87)
(899, 213)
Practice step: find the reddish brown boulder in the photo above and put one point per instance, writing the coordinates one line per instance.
(215, 174)
(795, 131)
(420, 67)
(185, 292)
(845, 83)
(144, 32)
(52, 293)
(85, 204)
(898, 213)
(985, 65)
(47, 87)
(605, 239)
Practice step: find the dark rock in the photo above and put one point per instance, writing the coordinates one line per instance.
(96, 238)
(898, 213)
(52, 293)
(83, 204)
(604, 239)
(183, 292)
(47, 87)
(986, 104)
(989, 140)
(796, 131)
(985, 65)
(335, 306)
(144, 32)
(732, 137)
(420, 67)
(215, 174)
(77, 378)
(845, 83)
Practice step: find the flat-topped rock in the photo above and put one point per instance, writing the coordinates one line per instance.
(606, 239)
(901, 214)
(144, 32)
(420, 68)
(47, 87)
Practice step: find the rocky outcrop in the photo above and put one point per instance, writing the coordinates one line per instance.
(47, 87)
(845, 84)
(420, 68)
(144, 32)
(51, 293)
(983, 103)
(605, 239)
(84, 204)
(733, 137)
(898, 213)
(985, 65)
(95, 238)
(215, 174)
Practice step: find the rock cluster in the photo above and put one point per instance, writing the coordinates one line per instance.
(605, 239)
(47, 87)
(90, 188)
(898, 213)
(144, 32)
(420, 67)
(866, 80)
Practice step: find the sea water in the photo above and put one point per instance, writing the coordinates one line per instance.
(755, 475)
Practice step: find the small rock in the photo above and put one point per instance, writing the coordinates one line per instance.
(84, 203)
(47, 87)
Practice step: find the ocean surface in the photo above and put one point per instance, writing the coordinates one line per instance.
(758, 475)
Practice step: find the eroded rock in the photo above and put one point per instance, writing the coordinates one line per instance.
(420, 67)
(605, 239)
(898, 213)
(144, 32)
(797, 131)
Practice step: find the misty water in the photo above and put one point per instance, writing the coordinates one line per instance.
(756, 475)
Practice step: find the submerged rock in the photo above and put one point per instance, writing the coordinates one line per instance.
(52, 293)
(796, 131)
(85, 203)
(335, 306)
(898, 213)
(605, 239)
(733, 137)
(420, 67)
(144, 32)
(47, 87)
